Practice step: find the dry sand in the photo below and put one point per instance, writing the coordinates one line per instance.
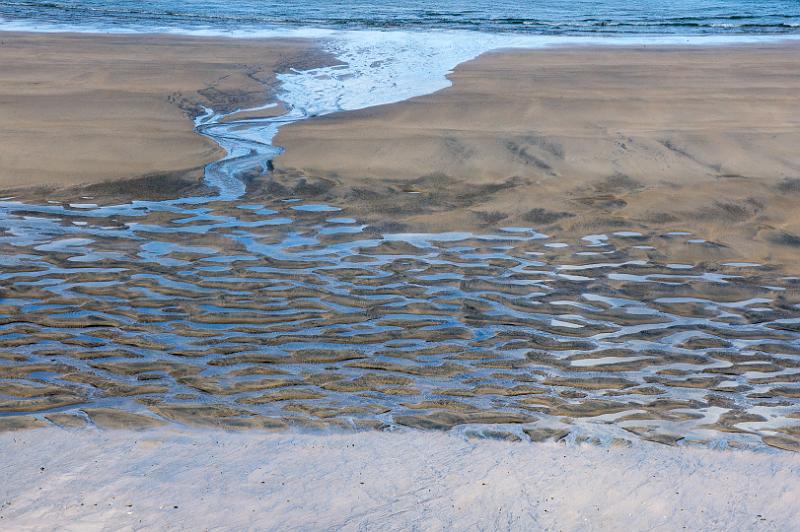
(79, 109)
(581, 141)
(193, 480)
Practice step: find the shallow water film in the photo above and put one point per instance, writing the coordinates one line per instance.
(270, 312)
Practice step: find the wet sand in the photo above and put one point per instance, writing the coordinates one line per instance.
(285, 352)
(580, 141)
(273, 313)
(208, 480)
(82, 109)
(314, 301)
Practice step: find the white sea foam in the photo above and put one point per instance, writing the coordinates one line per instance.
(383, 67)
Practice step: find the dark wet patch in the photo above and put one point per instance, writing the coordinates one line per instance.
(546, 144)
(491, 217)
(523, 154)
(618, 183)
(783, 238)
(789, 186)
(458, 148)
(541, 216)
(734, 211)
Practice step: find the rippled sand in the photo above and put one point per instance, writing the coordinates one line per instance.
(270, 312)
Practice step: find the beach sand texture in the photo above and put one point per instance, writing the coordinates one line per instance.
(581, 141)
(311, 302)
(78, 109)
(208, 480)
(313, 354)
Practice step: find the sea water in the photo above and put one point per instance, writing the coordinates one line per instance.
(539, 17)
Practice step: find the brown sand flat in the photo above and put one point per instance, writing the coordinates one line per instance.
(582, 140)
(78, 109)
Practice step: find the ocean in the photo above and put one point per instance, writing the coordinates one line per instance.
(541, 17)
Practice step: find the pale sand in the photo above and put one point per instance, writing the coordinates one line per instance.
(79, 109)
(579, 141)
(193, 480)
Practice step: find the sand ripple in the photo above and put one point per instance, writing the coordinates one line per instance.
(271, 313)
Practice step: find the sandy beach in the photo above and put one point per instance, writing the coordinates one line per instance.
(555, 295)
(581, 141)
(618, 228)
(80, 109)
(577, 141)
(208, 480)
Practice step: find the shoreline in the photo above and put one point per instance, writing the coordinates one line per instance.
(693, 139)
(321, 32)
(186, 179)
(165, 477)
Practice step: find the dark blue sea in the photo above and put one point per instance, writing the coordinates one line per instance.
(539, 17)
